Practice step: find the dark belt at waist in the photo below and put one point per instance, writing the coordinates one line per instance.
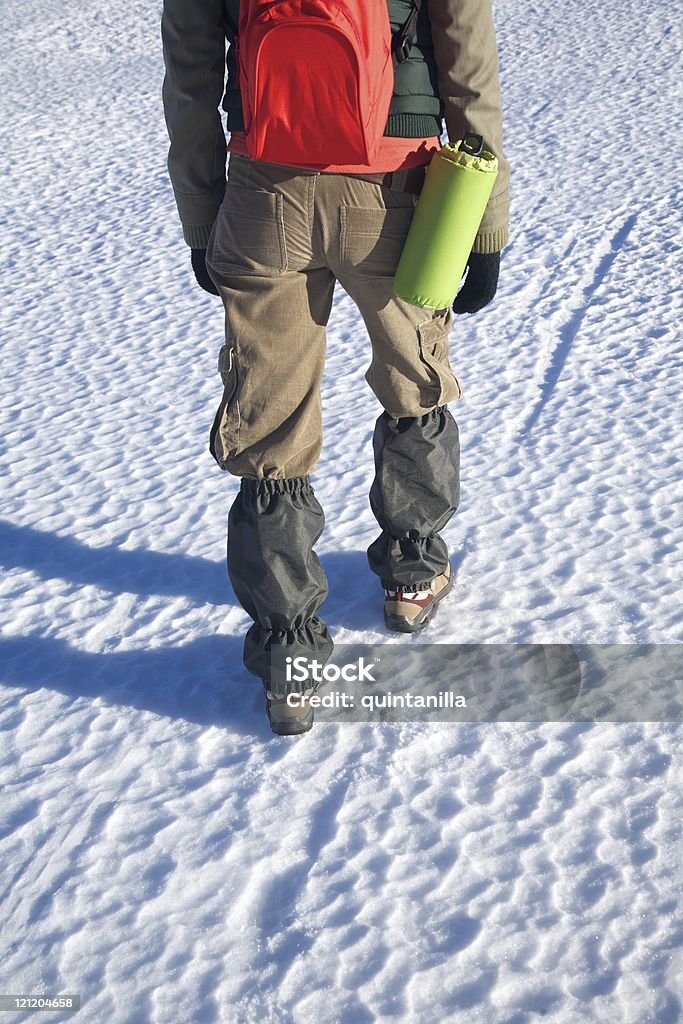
(410, 180)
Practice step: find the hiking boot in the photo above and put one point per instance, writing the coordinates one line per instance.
(288, 719)
(408, 611)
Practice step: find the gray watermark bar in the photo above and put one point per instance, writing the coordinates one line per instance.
(417, 682)
(62, 1003)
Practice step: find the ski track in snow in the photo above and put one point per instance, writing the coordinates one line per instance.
(162, 853)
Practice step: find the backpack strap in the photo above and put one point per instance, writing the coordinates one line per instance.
(230, 27)
(403, 40)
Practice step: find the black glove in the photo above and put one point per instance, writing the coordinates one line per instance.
(200, 271)
(480, 284)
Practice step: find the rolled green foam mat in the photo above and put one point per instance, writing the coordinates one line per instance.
(449, 211)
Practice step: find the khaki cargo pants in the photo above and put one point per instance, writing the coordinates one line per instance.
(282, 238)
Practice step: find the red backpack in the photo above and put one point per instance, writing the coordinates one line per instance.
(317, 76)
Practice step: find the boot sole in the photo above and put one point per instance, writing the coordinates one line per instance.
(399, 624)
(292, 726)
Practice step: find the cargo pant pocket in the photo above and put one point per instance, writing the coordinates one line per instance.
(225, 431)
(434, 355)
(248, 236)
(371, 240)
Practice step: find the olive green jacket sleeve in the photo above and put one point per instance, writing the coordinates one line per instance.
(193, 38)
(466, 56)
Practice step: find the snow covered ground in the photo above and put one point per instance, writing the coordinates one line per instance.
(162, 854)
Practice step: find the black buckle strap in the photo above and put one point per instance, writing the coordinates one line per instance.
(403, 40)
(411, 180)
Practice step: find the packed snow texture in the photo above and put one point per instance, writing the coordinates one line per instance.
(162, 854)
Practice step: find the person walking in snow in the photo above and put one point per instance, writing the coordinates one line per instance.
(307, 202)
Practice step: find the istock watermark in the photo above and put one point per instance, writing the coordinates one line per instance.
(301, 670)
(377, 702)
(399, 682)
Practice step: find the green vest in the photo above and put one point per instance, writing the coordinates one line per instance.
(416, 109)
